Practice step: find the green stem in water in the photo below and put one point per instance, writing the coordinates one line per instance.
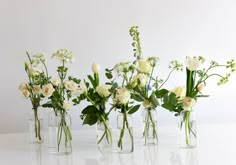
(37, 125)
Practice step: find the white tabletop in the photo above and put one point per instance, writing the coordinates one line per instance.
(216, 146)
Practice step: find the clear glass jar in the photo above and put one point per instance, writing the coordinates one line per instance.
(125, 140)
(60, 133)
(35, 126)
(104, 134)
(150, 131)
(187, 126)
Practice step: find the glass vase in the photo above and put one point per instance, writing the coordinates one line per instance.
(60, 133)
(35, 126)
(187, 126)
(150, 132)
(104, 134)
(125, 141)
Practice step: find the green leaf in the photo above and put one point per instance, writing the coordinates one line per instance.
(154, 100)
(90, 109)
(133, 109)
(92, 80)
(47, 105)
(90, 119)
(137, 97)
(109, 75)
(161, 93)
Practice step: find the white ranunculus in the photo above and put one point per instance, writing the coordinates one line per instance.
(103, 90)
(36, 89)
(142, 78)
(22, 86)
(64, 55)
(179, 92)
(200, 87)
(55, 82)
(67, 105)
(193, 63)
(48, 90)
(70, 85)
(144, 66)
(122, 95)
(34, 71)
(188, 102)
(25, 93)
(95, 68)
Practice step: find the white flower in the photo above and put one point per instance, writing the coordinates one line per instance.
(55, 82)
(36, 89)
(144, 66)
(38, 59)
(34, 71)
(193, 63)
(95, 68)
(147, 104)
(122, 67)
(64, 55)
(25, 93)
(103, 90)
(142, 78)
(122, 95)
(70, 85)
(67, 105)
(80, 90)
(180, 92)
(188, 102)
(22, 86)
(48, 90)
(200, 87)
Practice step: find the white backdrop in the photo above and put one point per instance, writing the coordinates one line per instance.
(97, 31)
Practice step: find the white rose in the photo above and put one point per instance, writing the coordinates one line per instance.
(34, 71)
(95, 68)
(70, 85)
(48, 90)
(122, 95)
(25, 93)
(142, 78)
(36, 89)
(179, 92)
(188, 102)
(22, 86)
(193, 63)
(67, 105)
(200, 87)
(103, 90)
(55, 82)
(144, 66)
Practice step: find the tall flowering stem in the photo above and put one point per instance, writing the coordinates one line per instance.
(33, 89)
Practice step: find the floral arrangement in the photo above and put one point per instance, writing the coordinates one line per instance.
(97, 95)
(147, 87)
(33, 88)
(182, 99)
(60, 92)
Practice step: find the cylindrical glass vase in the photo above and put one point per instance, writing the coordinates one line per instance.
(150, 132)
(60, 133)
(35, 126)
(104, 134)
(125, 141)
(187, 126)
